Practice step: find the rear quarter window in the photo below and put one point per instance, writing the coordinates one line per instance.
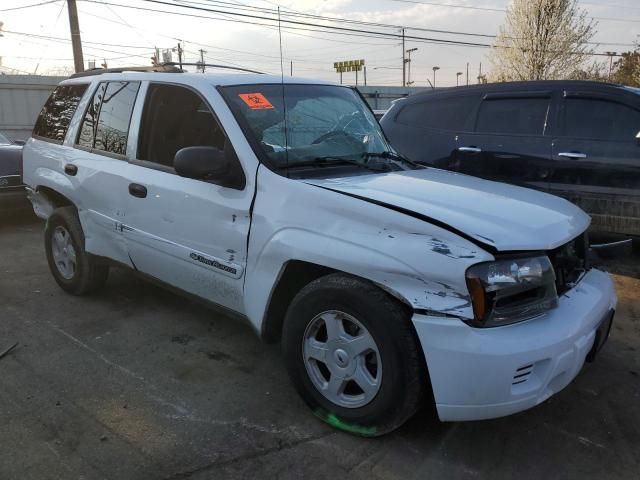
(443, 113)
(53, 121)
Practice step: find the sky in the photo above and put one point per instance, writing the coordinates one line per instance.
(36, 39)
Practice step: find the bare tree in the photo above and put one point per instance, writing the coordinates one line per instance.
(541, 40)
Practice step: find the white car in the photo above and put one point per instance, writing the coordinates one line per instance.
(388, 284)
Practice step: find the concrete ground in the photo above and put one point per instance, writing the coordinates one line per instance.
(138, 383)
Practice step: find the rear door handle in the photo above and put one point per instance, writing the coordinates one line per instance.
(470, 149)
(572, 155)
(137, 190)
(71, 169)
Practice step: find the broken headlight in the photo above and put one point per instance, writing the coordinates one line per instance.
(511, 290)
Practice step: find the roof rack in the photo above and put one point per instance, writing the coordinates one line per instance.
(212, 65)
(164, 68)
(169, 67)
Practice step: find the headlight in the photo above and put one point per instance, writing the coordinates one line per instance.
(511, 290)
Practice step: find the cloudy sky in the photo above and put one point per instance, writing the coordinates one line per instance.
(35, 39)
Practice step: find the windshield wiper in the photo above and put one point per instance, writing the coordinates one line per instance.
(329, 162)
(393, 156)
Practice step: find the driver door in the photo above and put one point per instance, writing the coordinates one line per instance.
(189, 233)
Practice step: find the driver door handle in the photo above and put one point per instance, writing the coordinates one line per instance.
(470, 149)
(137, 190)
(572, 155)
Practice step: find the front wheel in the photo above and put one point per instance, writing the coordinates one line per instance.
(353, 356)
(76, 271)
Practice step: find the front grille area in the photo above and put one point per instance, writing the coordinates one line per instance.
(522, 374)
(569, 261)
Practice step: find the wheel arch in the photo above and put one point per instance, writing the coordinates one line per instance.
(293, 277)
(46, 199)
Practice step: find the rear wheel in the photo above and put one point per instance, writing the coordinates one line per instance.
(76, 271)
(353, 356)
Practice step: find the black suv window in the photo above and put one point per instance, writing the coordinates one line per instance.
(106, 123)
(444, 113)
(600, 120)
(56, 114)
(513, 116)
(174, 118)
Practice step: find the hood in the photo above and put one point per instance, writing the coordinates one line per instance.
(500, 216)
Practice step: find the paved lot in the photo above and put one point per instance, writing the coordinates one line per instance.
(138, 383)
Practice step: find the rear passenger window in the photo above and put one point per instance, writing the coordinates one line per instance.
(54, 119)
(174, 118)
(513, 116)
(106, 123)
(600, 120)
(444, 113)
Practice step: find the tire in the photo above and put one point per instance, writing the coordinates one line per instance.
(76, 271)
(396, 374)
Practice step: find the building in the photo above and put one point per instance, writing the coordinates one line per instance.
(21, 99)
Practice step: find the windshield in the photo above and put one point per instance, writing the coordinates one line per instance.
(4, 140)
(324, 123)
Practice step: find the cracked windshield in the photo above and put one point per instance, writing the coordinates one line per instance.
(325, 125)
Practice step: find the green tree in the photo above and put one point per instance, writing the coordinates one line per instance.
(626, 70)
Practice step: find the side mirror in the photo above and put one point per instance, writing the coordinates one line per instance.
(201, 163)
(19, 142)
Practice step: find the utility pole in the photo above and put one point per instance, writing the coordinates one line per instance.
(409, 82)
(404, 62)
(180, 54)
(435, 69)
(480, 74)
(76, 43)
(611, 54)
(365, 75)
(292, 68)
(467, 74)
(202, 52)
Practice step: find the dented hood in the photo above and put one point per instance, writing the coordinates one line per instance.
(501, 216)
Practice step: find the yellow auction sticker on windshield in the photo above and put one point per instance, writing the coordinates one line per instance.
(255, 101)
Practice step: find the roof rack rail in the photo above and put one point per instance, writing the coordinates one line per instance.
(153, 68)
(212, 65)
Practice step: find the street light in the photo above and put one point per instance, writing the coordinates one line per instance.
(458, 77)
(408, 62)
(435, 69)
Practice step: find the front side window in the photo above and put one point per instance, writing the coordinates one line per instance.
(53, 121)
(174, 118)
(513, 116)
(106, 123)
(323, 124)
(4, 140)
(600, 120)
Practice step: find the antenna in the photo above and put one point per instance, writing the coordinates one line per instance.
(284, 102)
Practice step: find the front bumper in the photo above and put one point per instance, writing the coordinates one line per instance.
(486, 373)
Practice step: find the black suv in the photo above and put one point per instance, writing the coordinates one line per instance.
(576, 139)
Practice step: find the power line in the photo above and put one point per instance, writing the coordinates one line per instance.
(305, 26)
(298, 13)
(491, 9)
(298, 24)
(28, 6)
(66, 40)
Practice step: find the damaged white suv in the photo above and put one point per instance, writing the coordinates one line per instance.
(388, 284)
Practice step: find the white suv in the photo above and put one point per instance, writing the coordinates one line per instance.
(388, 284)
